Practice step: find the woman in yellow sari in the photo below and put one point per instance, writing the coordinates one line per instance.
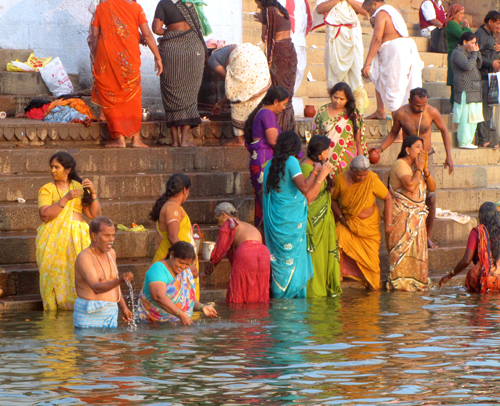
(358, 226)
(63, 234)
(172, 222)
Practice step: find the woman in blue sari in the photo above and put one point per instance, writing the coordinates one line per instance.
(285, 216)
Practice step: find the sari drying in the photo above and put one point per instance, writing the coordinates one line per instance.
(117, 66)
(181, 291)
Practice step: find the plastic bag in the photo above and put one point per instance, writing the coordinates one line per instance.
(33, 64)
(493, 93)
(16, 66)
(56, 78)
(37, 63)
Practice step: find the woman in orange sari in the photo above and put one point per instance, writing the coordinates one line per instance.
(483, 248)
(117, 67)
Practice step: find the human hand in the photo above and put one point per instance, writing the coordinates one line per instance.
(87, 184)
(388, 228)
(158, 66)
(326, 169)
(209, 311)
(426, 160)
(142, 41)
(420, 161)
(444, 280)
(475, 47)
(209, 269)
(366, 71)
(343, 220)
(217, 109)
(127, 315)
(317, 167)
(465, 23)
(496, 65)
(258, 17)
(185, 319)
(194, 270)
(126, 277)
(497, 47)
(72, 194)
(449, 163)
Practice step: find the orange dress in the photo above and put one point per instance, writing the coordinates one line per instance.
(117, 66)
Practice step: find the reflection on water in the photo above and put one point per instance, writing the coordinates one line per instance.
(361, 348)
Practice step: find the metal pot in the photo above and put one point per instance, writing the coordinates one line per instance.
(206, 249)
(146, 113)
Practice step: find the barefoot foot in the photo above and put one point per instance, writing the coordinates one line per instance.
(378, 115)
(118, 143)
(187, 144)
(139, 144)
(430, 244)
(102, 117)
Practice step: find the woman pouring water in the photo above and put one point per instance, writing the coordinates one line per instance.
(169, 293)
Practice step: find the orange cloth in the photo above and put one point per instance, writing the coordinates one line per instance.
(117, 65)
(78, 104)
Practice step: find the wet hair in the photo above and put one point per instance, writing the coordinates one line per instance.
(275, 3)
(287, 145)
(68, 162)
(493, 15)
(360, 163)
(407, 143)
(95, 225)
(175, 184)
(317, 145)
(181, 250)
(227, 208)
(466, 36)
(274, 93)
(350, 105)
(489, 217)
(418, 92)
(368, 3)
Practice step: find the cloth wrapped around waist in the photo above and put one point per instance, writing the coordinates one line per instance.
(95, 313)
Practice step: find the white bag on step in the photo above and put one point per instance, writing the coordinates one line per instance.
(56, 78)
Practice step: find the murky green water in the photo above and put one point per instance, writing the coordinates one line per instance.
(362, 348)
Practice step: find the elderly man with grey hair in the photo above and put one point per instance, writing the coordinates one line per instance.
(250, 259)
(358, 225)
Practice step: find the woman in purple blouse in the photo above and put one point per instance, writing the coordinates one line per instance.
(261, 133)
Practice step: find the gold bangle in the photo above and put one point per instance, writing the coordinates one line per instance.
(317, 181)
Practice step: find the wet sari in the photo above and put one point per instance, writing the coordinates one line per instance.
(339, 130)
(181, 291)
(322, 244)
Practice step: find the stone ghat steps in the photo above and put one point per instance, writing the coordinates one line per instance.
(20, 247)
(95, 159)
(132, 184)
(28, 83)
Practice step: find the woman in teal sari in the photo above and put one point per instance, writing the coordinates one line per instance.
(322, 239)
(285, 216)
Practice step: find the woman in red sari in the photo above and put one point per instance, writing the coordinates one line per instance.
(483, 248)
(250, 259)
(117, 67)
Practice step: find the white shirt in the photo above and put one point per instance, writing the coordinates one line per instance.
(428, 9)
(300, 13)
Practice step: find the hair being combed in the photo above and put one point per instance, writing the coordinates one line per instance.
(175, 184)
(274, 93)
(407, 143)
(350, 105)
(287, 145)
(317, 145)
(181, 250)
(489, 217)
(68, 162)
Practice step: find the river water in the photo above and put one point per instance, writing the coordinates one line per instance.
(437, 348)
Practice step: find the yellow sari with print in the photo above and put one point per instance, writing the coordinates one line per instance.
(58, 243)
(185, 234)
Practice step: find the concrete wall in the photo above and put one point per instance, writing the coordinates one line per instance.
(60, 28)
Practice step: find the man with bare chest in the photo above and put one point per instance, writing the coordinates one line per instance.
(97, 281)
(417, 118)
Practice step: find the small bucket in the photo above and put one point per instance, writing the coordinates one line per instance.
(206, 249)
(197, 238)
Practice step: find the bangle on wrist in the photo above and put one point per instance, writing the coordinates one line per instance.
(60, 205)
(315, 173)
(201, 308)
(178, 311)
(317, 181)
(389, 224)
(96, 199)
(421, 171)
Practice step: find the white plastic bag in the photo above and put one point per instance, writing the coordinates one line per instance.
(55, 77)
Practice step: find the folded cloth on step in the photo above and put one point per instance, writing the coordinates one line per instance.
(35, 104)
(75, 103)
(135, 228)
(37, 113)
(66, 114)
(95, 313)
(451, 215)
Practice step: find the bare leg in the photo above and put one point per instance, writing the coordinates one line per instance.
(175, 136)
(118, 143)
(431, 204)
(380, 112)
(102, 117)
(185, 136)
(136, 141)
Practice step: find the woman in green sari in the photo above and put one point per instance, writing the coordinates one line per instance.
(321, 236)
(343, 124)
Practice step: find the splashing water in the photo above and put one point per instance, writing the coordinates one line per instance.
(133, 306)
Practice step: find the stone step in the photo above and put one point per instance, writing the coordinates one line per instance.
(21, 217)
(28, 83)
(9, 55)
(92, 159)
(133, 184)
(434, 74)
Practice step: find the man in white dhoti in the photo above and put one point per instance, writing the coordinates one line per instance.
(393, 62)
(301, 23)
(344, 44)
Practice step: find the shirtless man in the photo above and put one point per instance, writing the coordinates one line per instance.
(250, 259)
(97, 282)
(393, 62)
(416, 118)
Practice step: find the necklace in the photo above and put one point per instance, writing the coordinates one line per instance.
(109, 263)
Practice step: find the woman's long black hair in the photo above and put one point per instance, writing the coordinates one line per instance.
(68, 162)
(317, 145)
(175, 184)
(275, 3)
(287, 145)
(274, 93)
(489, 217)
(350, 105)
(407, 143)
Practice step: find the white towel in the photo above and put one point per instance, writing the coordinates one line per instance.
(397, 19)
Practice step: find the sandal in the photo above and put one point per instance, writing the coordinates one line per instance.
(490, 145)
